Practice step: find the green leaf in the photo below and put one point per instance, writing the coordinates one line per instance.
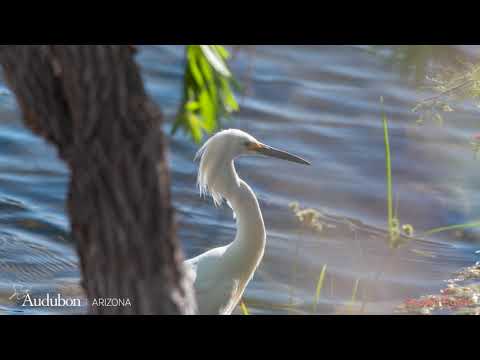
(228, 97)
(211, 84)
(192, 106)
(193, 67)
(207, 109)
(206, 69)
(222, 51)
(215, 60)
(236, 85)
(195, 127)
(190, 92)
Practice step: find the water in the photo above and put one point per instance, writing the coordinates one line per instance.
(320, 102)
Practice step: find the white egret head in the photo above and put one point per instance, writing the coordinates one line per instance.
(216, 170)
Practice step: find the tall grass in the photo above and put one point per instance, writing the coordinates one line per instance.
(294, 272)
(320, 282)
(354, 292)
(388, 170)
(394, 227)
(244, 308)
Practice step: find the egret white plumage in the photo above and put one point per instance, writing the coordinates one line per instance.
(221, 275)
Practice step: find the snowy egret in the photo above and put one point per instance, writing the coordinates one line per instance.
(220, 275)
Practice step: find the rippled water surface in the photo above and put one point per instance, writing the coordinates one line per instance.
(320, 102)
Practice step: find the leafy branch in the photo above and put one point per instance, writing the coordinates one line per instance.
(207, 91)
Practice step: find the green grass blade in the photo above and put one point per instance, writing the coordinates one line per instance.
(364, 300)
(452, 227)
(355, 290)
(321, 280)
(294, 273)
(388, 168)
(244, 308)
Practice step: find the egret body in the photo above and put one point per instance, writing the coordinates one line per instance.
(221, 275)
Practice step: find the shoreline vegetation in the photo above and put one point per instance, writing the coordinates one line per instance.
(462, 294)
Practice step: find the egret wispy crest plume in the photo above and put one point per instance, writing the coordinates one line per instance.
(221, 275)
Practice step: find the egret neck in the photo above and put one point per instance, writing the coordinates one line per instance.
(246, 251)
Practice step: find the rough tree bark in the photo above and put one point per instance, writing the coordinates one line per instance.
(90, 102)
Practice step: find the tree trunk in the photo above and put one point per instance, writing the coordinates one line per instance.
(90, 102)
